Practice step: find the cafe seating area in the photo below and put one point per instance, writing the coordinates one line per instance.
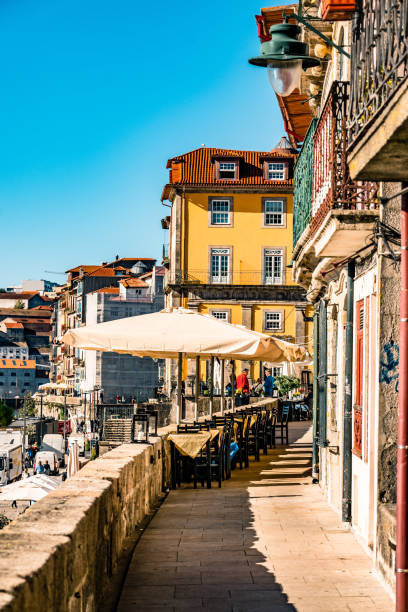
(207, 451)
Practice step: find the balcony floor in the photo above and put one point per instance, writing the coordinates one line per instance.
(265, 541)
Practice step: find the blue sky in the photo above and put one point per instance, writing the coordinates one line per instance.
(96, 96)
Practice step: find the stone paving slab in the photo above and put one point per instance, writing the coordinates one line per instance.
(265, 542)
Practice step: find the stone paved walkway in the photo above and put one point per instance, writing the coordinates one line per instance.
(266, 541)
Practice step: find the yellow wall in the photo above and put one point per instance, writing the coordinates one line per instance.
(247, 236)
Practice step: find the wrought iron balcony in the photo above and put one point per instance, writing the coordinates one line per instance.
(379, 59)
(203, 277)
(303, 180)
(332, 186)
(378, 110)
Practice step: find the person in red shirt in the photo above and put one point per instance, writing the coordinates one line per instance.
(242, 381)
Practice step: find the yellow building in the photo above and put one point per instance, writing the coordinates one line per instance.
(230, 242)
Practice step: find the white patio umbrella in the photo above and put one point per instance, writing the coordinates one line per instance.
(173, 333)
(73, 460)
(30, 489)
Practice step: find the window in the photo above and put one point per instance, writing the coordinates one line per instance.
(273, 266)
(359, 343)
(26, 374)
(273, 212)
(13, 384)
(222, 315)
(26, 384)
(273, 321)
(276, 371)
(1, 384)
(13, 374)
(1, 373)
(220, 265)
(276, 171)
(220, 212)
(114, 312)
(226, 170)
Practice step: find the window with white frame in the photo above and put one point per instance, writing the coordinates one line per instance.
(220, 212)
(276, 371)
(222, 315)
(273, 266)
(220, 265)
(273, 321)
(226, 170)
(273, 212)
(276, 171)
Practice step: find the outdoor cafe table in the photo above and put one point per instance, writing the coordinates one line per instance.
(189, 445)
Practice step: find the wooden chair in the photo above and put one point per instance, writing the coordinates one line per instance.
(283, 425)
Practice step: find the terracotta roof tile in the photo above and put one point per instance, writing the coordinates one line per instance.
(133, 282)
(13, 325)
(111, 290)
(197, 167)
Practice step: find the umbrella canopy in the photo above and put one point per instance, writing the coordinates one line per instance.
(48, 385)
(173, 331)
(29, 489)
(73, 460)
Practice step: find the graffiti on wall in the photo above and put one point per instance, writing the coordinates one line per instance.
(389, 364)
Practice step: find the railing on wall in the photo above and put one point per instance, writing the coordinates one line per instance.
(203, 277)
(303, 180)
(379, 59)
(332, 185)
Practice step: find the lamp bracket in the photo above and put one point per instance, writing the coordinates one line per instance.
(316, 31)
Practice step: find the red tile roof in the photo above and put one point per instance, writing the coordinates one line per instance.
(111, 290)
(133, 282)
(197, 167)
(14, 325)
(86, 269)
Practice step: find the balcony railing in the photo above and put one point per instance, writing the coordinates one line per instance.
(332, 185)
(303, 180)
(379, 59)
(203, 277)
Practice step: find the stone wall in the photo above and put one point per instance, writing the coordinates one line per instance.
(64, 552)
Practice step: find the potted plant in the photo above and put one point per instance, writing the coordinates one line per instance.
(285, 384)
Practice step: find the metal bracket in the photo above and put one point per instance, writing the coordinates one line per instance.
(317, 32)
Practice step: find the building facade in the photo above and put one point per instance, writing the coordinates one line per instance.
(346, 255)
(230, 243)
(17, 378)
(126, 376)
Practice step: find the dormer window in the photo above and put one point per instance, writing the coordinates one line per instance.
(227, 169)
(276, 170)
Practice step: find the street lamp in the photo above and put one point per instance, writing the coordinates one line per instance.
(285, 57)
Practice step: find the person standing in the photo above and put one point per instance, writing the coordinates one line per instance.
(39, 468)
(242, 381)
(269, 383)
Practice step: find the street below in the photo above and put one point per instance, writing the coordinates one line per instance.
(265, 541)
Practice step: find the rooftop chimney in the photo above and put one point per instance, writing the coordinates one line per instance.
(104, 263)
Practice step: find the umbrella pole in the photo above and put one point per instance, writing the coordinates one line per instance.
(197, 387)
(222, 387)
(212, 386)
(179, 383)
(233, 387)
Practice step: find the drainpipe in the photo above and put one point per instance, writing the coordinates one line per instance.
(402, 450)
(348, 397)
(323, 373)
(315, 455)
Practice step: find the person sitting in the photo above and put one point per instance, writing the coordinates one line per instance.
(39, 468)
(47, 468)
(269, 383)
